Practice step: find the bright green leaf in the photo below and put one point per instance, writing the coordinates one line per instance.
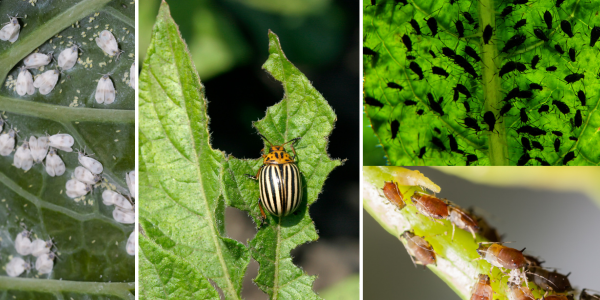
(92, 260)
(389, 21)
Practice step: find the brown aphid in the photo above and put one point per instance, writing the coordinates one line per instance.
(549, 281)
(392, 193)
(515, 292)
(430, 206)
(585, 295)
(501, 256)
(533, 261)
(482, 290)
(462, 220)
(419, 249)
(558, 297)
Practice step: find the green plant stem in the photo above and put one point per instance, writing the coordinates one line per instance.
(63, 113)
(498, 147)
(118, 289)
(25, 45)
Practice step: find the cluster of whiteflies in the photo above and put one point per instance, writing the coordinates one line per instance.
(124, 211)
(45, 82)
(38, 248)
(36, 149)
(85, 176)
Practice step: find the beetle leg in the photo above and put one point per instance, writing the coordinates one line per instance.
(292, 145)
(254, 177)
(262, 212)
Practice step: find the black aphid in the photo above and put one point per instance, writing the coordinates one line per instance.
(469, 18)
(520, 24)
(467, 106)
(525, 143)
(373, 2)
(537, 145)
(544, 108)
(525, 94)
(416, 69)
(432, 53)
(534, 61)
(542, 162)
(534, 131)
(394, 126)
(422, 152)
(561, 106)
(566, 27)
(540, 34)
(578, 119)
(404, 2)
(410, 57)
(507, 68)
(455, 97)
(490, 120)
(437, 130)
(472, 123)
(517, 2)
(454, 145)
(471, 158)
(548, 19)
(574, 77)
(572, 54)
(463, 90)
(460, 28)
(448, 52)
(432, 24)
(407, 42)
(435, 106)
(420, 112)
(368, 51)
(487, 33)
(514, 93)
(506, 11)
(535, 86)
(581, 96)
(556, 145)
(525, 158)
(505, 109)
(393, 85)
(569, 157)
(523, 115)
(415, 26)
(472, 53)
(410, 102)
(559, 3)
(438, 143)
(559, 49)
(551, 69)
(572, 138)
(466, 65)
(514, 42)
(373, 102)
(520, 67)
(557, 133)
(594, 36)
(439, 71)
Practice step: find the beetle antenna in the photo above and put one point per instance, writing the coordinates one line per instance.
(264, 138)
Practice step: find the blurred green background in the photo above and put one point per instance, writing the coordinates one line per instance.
(228, 43)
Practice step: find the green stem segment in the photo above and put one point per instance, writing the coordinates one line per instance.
(498, 147)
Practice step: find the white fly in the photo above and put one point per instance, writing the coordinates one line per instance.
(84, 175)
(23, 159)
(36, 60)
(68, 57)
(1, 123)
(39, 148)
(23, 243)
(16, 267)
(46, 81)
(10, 32)
(107, 42)
(45, 263)
(62, 141)
(124, 216)
(54, 164)
(76, 188)
(105, 92)
(25, 83)
(131, 244)
(39, 247)
(89, 163)
(111, 197)
(130, 178)
(7, 142)
(132, 75)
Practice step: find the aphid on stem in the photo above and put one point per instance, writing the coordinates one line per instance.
(392, 193)
(420, 251)
(482, 290)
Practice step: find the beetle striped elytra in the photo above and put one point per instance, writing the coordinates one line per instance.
(279, 181)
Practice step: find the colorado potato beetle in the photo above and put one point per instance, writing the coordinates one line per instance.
(279, 181)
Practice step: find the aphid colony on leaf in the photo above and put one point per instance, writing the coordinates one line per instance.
(38, 248)
(10, 31)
